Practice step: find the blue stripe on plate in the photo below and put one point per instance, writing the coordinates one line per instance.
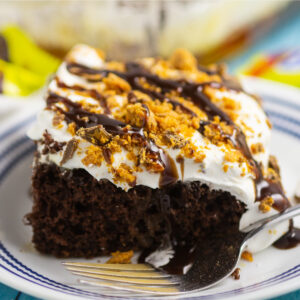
(16, 127)
(295, 134)
(40, 278)
(281, 116)
(277, 100)
(32, 281)
(15, 160)
(16, 144)
(292, 273)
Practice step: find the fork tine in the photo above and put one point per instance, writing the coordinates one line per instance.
(118, 273)
(134, 288)
(121, 267)
(138, 281)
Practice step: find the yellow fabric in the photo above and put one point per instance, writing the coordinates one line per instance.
(28, 66)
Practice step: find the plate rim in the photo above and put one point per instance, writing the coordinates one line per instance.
(33, 288)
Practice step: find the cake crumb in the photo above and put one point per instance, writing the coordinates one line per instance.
(120, 257)
(236, 274)
(246, 255)
(50, 145)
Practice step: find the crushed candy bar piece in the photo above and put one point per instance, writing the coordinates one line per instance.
(96, 135)
(120, 257)
(173, 140)
(246, 255)
(273, 164)
(94, 156)
(266, 204)
(57, 119)
(183, 60)
(125, 174)
(69, 151)
(72, 128)
(257, 148)
(114, 82)
(136, 115)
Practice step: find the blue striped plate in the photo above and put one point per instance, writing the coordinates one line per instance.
(272, 273)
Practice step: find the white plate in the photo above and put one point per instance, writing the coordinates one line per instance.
(272, 273)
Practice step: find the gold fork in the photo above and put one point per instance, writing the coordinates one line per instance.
(215, 260)
(128, 277)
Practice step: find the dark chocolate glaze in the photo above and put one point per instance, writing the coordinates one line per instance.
(83, 118)
(180, 160)
(290, 240)
(184, 254)
(170, 174)
(80, 70)
(183, 258)
(266, 187)
(90, 92)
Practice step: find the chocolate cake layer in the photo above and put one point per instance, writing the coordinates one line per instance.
(74, 215)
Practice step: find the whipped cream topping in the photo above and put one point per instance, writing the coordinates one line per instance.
(198, 156)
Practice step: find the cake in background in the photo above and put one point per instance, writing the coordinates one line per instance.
(139, 28)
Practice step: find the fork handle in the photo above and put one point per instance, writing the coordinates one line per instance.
(256, 227)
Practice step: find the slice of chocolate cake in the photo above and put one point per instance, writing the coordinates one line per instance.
(134, 155)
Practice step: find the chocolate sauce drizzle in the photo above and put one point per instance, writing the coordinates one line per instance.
(84, 119)
(196, 93)
(90, 92)
(290, 240)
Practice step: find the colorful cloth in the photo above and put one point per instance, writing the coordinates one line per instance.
(283, 67)
(24, 67)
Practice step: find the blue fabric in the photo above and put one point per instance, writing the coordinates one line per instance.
(7, 293)
(284, 36)
(290, 296)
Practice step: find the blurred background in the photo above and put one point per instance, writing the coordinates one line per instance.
(255, 37)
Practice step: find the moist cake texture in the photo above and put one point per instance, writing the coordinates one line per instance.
(133, 154)
(81, 216)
